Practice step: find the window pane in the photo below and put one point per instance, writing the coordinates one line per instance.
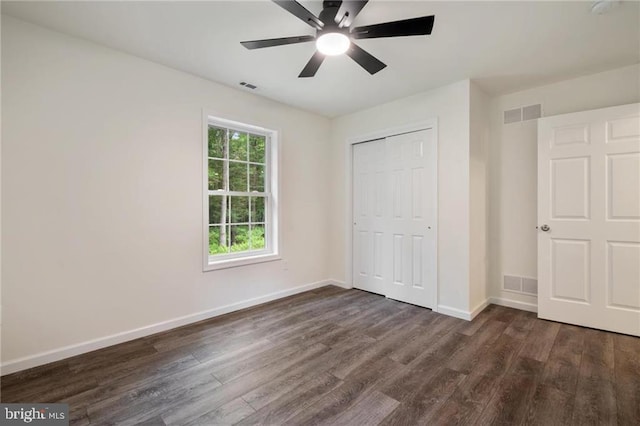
(257, 148)
(239, 209)
(238, 177)
(216, 142)
(216, 175)
(218, 240)
(256, 178)
(257, 209)
(218, 209)
(256, 237)
(237, 145)
(239, 238)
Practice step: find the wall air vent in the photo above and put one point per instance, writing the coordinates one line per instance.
(521, 285)
(531, 112)
(248, 85)
(513, 116)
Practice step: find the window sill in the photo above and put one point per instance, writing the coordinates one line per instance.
(243, 261)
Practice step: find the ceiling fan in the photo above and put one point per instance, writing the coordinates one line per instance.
(334, 34)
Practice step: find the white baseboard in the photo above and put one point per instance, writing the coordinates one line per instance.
(454, 312)
(42, 358)
(479, 308)
(516, 304)
(340, 284)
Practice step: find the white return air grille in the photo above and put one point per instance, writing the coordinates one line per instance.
(531, 112)
(522, 285)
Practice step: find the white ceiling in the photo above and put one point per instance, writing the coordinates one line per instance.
(505, 46)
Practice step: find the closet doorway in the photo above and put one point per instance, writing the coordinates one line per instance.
(394, 217)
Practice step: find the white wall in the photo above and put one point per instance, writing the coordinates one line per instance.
(478, 197)
(102, 193)
(450, 105)
(513, 171)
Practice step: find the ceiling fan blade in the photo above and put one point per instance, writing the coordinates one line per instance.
(312, 66)
(365, 59)
(348, 12)
(406, 27)
(300, 12)
(259, 44)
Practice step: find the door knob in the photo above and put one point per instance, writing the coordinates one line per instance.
(545, 228)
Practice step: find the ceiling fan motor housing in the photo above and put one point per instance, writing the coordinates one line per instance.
(327, 16)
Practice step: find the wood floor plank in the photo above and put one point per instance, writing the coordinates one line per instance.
(422, 337)
(373, 352)
(287, 382)
(504, 314)
(595, 400)
(98, 360)
(598, 348)
(155, 421)
(496, 357)
(370, 410)
(563, 366)
(423, 401)
(166, 365)
(228, 414)
(345, 396)
(465, 357)
(337, 356)
(540, 340)
(410, 315)
(627, 386)
(466, 403)
(78, 416)
(469, 328)
(198, 405)
(287, 405)
(149, 401)
(521, 325)
(235, 368)
(625, 343)
(549, 406)
(511, 398)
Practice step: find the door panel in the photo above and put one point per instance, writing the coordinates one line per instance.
(402, 170)
(571, 267)
(589, 197)
(570, 188)
(622, 267)
(369, 209)
(623, 186)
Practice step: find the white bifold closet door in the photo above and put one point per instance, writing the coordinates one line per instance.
(589, 218)
(395, 217)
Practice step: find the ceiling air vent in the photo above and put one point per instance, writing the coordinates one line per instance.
(248, 85)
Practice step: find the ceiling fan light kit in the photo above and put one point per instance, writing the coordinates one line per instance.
(333, 44)
(334, 35)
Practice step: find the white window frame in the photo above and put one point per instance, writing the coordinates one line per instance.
(271, 251)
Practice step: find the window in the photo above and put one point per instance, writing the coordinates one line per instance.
(240, 194)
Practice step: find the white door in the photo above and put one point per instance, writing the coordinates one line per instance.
(395, 217)
(370, 194)
(589, 218)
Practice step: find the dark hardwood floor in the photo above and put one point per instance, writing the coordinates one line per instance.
(347, 357)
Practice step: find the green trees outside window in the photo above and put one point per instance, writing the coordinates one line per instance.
(237, 191)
